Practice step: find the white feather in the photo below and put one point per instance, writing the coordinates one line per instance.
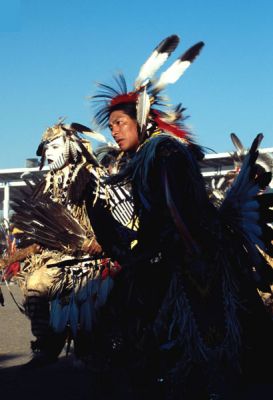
(143, 108)
(96, 135)
(154, 62)
(172, 74)
(238, 144)
(220, 182)
(158, 57)
(177, 69)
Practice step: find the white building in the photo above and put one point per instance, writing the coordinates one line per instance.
(12, 180)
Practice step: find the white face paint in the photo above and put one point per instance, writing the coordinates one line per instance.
(54, 150)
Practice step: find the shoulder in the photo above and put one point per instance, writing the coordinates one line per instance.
(165, 144)
(164, 147)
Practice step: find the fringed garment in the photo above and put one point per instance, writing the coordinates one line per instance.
(78, 291)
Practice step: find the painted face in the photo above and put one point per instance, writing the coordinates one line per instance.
(54, 150)
(124, 130)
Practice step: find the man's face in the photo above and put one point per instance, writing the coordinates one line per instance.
(124, 130)
(54, 150)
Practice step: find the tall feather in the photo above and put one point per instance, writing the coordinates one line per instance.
(96, 136)
(177, 69)
(238, 144)
(265, 161)
(87, 131)
(77, 127)
(143, 109)
(158, 57)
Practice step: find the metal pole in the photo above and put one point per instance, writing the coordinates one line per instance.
(6, 202)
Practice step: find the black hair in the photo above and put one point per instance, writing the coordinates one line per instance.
(127, 108)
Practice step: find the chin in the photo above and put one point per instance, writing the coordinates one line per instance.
(123, 147)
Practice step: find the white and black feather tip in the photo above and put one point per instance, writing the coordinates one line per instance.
(177, 69)
(158, 57)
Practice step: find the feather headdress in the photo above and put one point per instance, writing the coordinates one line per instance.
(145, 95)
(75, 146)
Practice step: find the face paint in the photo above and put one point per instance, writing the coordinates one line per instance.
(54, 153)
(54, 149)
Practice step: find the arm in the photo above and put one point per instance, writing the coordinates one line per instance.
(114, 238)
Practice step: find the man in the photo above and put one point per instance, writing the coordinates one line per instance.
(58, 296)
(193, 325)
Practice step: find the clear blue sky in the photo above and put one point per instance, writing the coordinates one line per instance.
(53, 52)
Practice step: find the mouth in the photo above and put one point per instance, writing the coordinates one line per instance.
(119, 141)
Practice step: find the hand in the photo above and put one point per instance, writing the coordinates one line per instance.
(91, 246)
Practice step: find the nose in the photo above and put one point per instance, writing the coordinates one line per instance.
(115, 131)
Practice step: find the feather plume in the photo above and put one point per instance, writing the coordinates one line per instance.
(96, 136)
(59, 315)
(143, 109)
(245, 208)
(238, 144)
(264, 161)
(170, 128)
(87, 131)
(158, 57)
(177, 69)
(174, 115)
(49, 224)
(78, 127)
(106, 285)
(87, 314)
(88, 155)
